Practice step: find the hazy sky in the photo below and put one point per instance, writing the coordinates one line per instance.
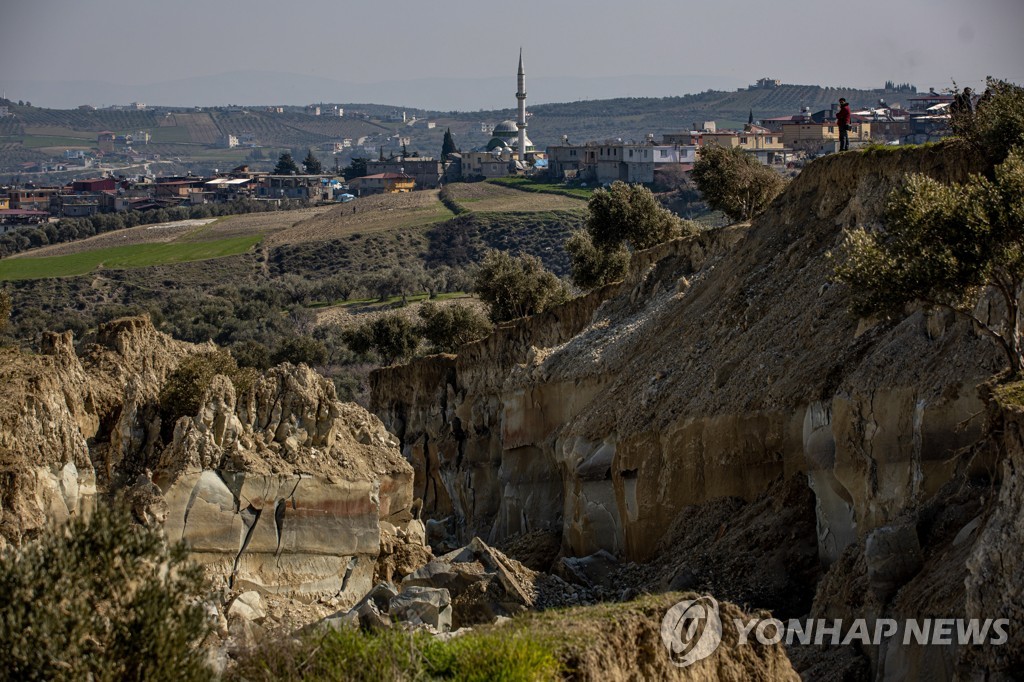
(859, 43)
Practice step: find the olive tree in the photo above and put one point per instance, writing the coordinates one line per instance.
(996, 124)
(517, 286)
(620, 219)
(392, 337)
(449, 327)
(734, 182)
(941, 245)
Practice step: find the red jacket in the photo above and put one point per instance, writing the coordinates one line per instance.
(843, 117)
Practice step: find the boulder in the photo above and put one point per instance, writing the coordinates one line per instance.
(399, 555)
(428, 606)
(593, 571)
(483, 582)
(247, 606)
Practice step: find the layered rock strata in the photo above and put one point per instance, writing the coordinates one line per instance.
(281, 488)
(722, 363)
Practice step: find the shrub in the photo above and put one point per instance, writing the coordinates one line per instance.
(449, 200)
(5, 309)
(733, 182)
(106, 600)
(593, 267)
(184, 389)
(620, 219)
(450, 327)
(298, 349)
(629, 214)
(517, 286)
(392, 337)
(941, 244)
(251, 354)
(997, 124)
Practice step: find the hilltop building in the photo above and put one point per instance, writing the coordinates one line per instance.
(511, 135)
(510, 149)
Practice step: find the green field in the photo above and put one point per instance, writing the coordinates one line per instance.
(123, 257)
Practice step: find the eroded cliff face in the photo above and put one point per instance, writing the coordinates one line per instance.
(721, 364)
(280, 489)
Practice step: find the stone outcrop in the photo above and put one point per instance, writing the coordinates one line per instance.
(59, 417)
(723, 362)
(279, 489)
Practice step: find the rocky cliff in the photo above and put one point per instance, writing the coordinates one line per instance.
(720, 412)
(279, 487)
(721, 363)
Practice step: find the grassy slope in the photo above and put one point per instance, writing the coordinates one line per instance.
(123, 257)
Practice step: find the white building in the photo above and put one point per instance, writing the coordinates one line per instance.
(674, 154)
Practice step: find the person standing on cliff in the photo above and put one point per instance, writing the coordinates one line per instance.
(843, 120)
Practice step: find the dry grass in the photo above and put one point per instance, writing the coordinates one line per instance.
(486, 196)
(366, 215)
(353, 314)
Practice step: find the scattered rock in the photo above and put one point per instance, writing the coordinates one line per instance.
(593, 571)
(416, 532)
(440, 535)
(484, 583)
(247, 606)
(684, 580)
(429, 606)
(536, 550)
(399, 555)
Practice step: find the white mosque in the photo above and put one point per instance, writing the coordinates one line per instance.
(509, 150)
(512, 134)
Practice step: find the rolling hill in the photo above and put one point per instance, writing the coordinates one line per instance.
(34, 133)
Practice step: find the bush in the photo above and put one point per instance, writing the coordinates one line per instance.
(940, 246)
(5, 309)
(181, 395)
(620, 219)
(629, 214)
(392, 337)
(733, 182)
(997, 124)
(304, 349)
(517, 286)
(449, 200)
(450, 327)
(593, 267)
(106, 600)
(251, 354)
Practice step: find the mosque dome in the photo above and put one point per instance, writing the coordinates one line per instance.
(506, 128)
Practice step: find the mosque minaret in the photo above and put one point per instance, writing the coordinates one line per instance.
(521, 96)
(509, 137)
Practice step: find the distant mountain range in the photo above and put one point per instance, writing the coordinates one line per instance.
(439, 94)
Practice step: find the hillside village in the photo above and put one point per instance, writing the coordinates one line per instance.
(105, 183)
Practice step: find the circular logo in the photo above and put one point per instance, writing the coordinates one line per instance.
(691, 630)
